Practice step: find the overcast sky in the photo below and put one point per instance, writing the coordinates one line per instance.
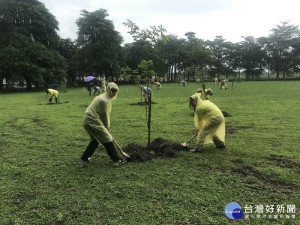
(231, 19)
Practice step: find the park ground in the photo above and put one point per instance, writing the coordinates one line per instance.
(42, 183)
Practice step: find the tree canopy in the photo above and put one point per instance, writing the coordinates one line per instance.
(28, 41)
(32, 51)
(99, 44)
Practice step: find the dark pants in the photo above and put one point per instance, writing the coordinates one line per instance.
(50, 100)
(109, 146)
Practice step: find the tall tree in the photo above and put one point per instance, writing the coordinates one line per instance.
(199, 58)
(173, 52)
(28, 34)
(196, 55)
(252, 57)
(220, 49)
(68, 50)
(99, 44)
(279, 47)
(235, 59)
(144, 46)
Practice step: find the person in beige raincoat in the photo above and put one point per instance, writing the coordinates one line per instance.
(209, 121)
(223, 84)
(146, 92)
(97, 124)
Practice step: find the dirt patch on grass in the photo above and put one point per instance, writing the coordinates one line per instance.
(283, 162)
(226, 114)
(267, 181)
(84, 106)
(157, 148)
(142, 103)
(275, 144)
(12, 121)
(37, 121)
(22, 199)
(231, 130)
(54, 103)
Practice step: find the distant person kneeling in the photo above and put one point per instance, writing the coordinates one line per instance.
(97, 124)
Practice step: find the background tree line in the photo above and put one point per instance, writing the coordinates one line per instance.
(31, 51)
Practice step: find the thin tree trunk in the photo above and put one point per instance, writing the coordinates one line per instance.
(149, 119)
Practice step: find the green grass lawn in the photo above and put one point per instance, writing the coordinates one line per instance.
(42, 183)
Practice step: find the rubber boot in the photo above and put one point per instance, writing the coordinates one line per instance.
(218, 143)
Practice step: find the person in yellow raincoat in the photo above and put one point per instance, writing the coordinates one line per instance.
(209, 121)
(208, 92)
(97, 124)
(53, 93)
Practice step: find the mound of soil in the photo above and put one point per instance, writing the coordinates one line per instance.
(137, 153)
(158, 148)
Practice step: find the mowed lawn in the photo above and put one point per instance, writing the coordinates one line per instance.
(42, 183)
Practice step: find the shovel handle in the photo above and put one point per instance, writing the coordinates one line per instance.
(119, 147)
(192, 137)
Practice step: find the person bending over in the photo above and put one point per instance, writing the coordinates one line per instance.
(209, 121)
(53, 93)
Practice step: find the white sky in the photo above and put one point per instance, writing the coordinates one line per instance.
(231, 19)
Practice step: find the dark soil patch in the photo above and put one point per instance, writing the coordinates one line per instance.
(267, 181)
(226, 114)
(12, 121)
(142, 103)
(157, 148)
(275, 144)
(231, 130)
(279, 160)
(37, 121)
(84, 106)
(54, 103)
(22, 199)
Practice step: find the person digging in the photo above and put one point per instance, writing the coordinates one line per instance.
(97, 124)
(53, 93)
(209, 121)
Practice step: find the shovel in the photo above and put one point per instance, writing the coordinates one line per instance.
(185, 144)
(119, 147)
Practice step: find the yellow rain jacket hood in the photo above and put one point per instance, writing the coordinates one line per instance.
(209, 120)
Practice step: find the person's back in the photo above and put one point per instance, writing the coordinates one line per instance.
(99, 108)
(207, 109)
